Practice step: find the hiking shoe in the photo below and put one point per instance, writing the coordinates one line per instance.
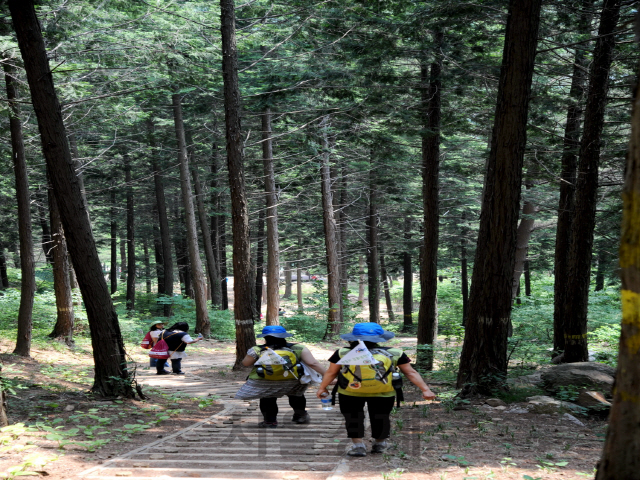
(268, 425)
(164, 372)
(301, 419)
(379, 447)
(357, 450)
(178, 373)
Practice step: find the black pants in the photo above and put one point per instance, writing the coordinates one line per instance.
(379, 410)
(176, 364)
(269, 406)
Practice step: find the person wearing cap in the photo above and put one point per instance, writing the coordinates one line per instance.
(268, 391)
(379, 404)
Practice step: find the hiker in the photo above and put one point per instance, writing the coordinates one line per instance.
(177, 339)
(152, 338)
(268, 382)
(368, 382)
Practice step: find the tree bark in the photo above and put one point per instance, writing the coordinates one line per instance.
(242, 309)
(361, 279)
(580, 248)
(431, 104)
(464, 280)
(385, 284)
(203, 325)
(113, 275)
(407, 288)
(212, 266)
(108, 348)
(620, 457)
(373, 262)
(147, 264)
(483, 363)
(299, 280)
(602, 259)
(566, 204)
(46, 245)
(330, 241)
(273, 242)
(523, 236)
(157, 250)
(61, 281)
(4, 278)
(123, 260)
(27, 265)
(260, 260)
(287, 280)
(342, 228)
(163, 221)
(218, 224)
(131, 246)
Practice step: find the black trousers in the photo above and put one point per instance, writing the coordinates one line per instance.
(352, 408)
(269, 406)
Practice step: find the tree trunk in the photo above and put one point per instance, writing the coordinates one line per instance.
(527, 279)
(113, 275)
(4, 421)
(131, 245)
(273, 242)
(245, 336)
(385, 284)
(464, 280)
(218, 226)
(157, 250)
(373, 262)
(147, 264)
(61, 281)
(330, 241)
(407, 288)
(483, 363)
(123, 260)
(197, 276)
(361, 279)
(163, 221)
(342, 228)
(620, 457)
(287, 280)
(260, 260)
(46, 245)
(602, 260)
(108, 348)
(523, 236)
(431, 104)
(299, 280)
(566, 204)
(579, 260)
(4, 278)
(27, 265)
(212, 266)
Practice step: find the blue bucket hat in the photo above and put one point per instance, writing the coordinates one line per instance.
(369, 332)
(277, 331)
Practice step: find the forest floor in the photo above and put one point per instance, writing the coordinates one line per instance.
(430, 440)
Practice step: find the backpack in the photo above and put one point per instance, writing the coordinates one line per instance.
(147, 341)
(292, 370)
(382, 377)
(161, 350)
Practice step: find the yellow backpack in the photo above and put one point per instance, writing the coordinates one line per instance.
(292, 370)
(368, 379)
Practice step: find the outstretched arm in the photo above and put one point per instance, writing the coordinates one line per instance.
(415, 378)
(308, 358)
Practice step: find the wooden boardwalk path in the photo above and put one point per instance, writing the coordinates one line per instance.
(229, 445)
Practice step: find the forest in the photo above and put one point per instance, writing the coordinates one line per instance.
(458, 172)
